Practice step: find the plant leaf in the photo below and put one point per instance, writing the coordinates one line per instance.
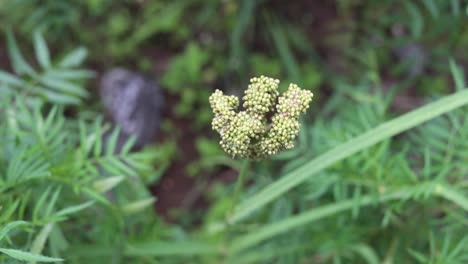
(26, 256)
(20, 65)
(457, 74)
(10, 226)
(74, 58)
(74, 209)
(42, 52)
(10, 79)
(40, 240)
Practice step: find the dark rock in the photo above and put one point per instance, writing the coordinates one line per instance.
(134, 103)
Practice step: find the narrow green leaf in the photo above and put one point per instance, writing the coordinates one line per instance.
(20, 65)
(74, 58)
(112, 142)
(58, 97)
(42, 52)
(51, 117)
(417, 21)
(64, 86)
(74, 209)
(10, 226)
(138, 206)
(452, 195)
(97, 150)
(97, 197)
(117, 166)
(39, 206)
(128, 145)
(361, 142)
(455, 4)
(10, 79)
(459, 248)
(458, 76)
(8, 212)
(67, 74)
(418, 256)
(51, 203)
(57, 241)
(26, 256)
(432, 7)
(107, 184)
(40, 240)
(367, 253)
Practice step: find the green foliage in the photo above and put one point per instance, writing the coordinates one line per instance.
(59, 81)
(374, 177)
(52, 169)
(187, 77)
(54, 16)
(390, 174)
(183, 78)
(55, 171)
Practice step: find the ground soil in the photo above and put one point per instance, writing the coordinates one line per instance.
(176, 188)
(179, 190)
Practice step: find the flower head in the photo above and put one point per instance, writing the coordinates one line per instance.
(249, 133)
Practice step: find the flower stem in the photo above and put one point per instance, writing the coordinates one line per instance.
(244, 169)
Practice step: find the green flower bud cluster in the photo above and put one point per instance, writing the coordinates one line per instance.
(249, 133)
(260, 96)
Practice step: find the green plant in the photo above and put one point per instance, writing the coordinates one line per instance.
(387, 179)
(184, 77)
(58, 81)
(362, 200)
(52, 168)
(365, 183)
(247, 134)
(57, 174)
(53, 16)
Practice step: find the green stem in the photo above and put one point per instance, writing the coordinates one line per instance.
(244, 168)
(240, 180)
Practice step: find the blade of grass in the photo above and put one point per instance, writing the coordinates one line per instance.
(40, 240)
(42, 51)
(457, 75)
(286, 225)
(452, 195)
(10, 226)
(27, 256)
(270, 230)
(365, 140)
(18, 62)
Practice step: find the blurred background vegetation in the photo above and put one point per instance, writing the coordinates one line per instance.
(366, 61)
